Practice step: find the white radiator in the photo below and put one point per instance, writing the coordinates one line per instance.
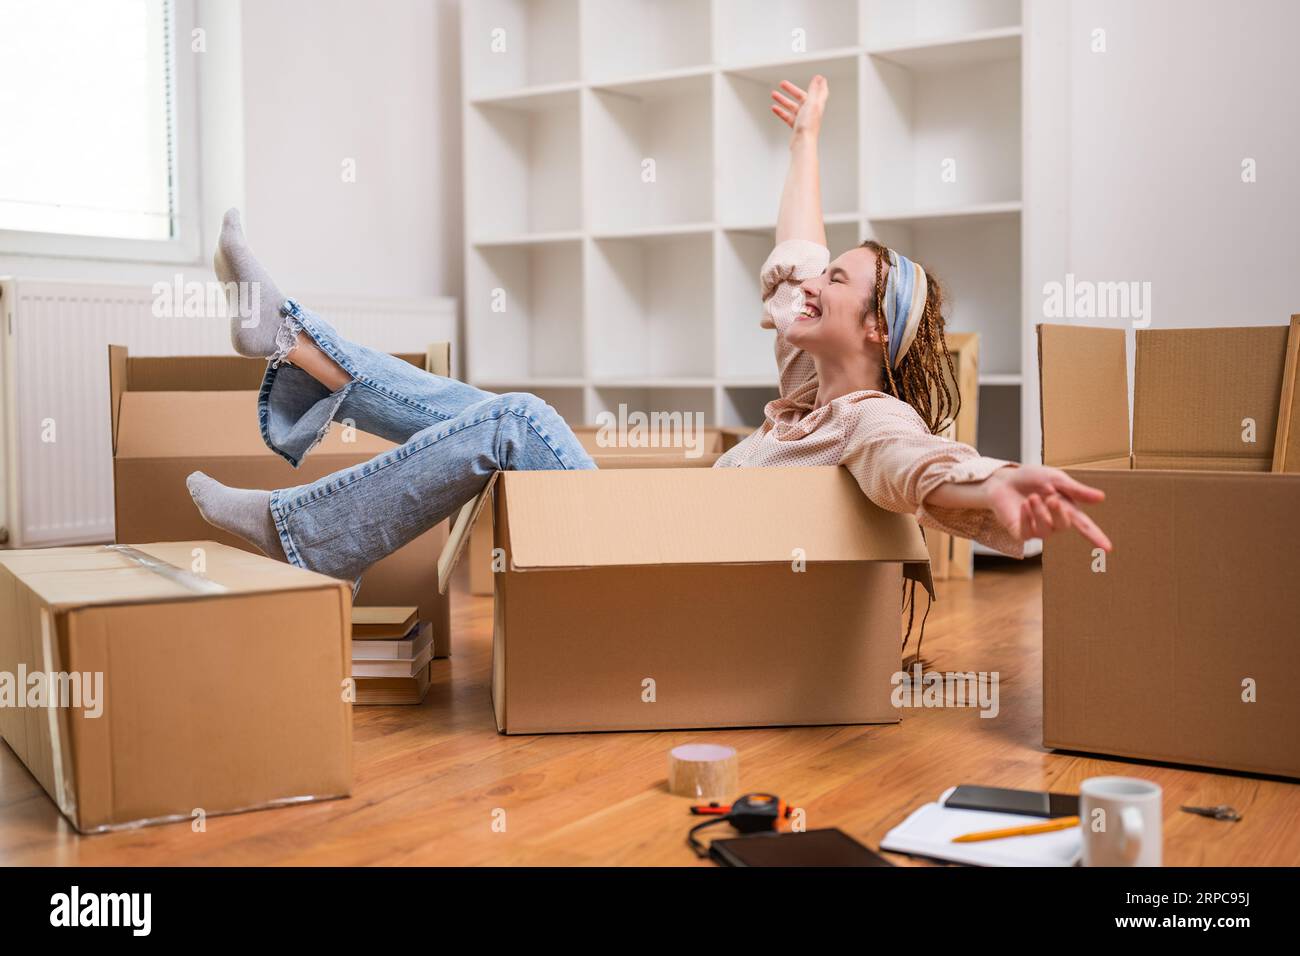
(56, 470)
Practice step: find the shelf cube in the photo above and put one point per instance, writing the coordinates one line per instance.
(511, 44)
(650, 156)
(890, 23)
(941, 139)
(651, 303)
(524, 176)
(755, 144)
(753, 31)
(624, 38)
(524, 312)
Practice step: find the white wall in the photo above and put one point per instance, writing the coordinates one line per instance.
(1160, 125)
(287, 90)
(1133, 159)
(378, 83)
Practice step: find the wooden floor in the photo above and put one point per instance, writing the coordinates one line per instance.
(430, 780)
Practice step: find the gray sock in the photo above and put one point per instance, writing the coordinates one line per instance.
(243, 512)
(234, 262)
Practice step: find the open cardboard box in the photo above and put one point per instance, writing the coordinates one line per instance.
(712, 444)
(654, 599)
(219, 687)
(175, 415)
(1182, 645)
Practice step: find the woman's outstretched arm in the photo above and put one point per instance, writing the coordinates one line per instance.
(1029, 501)
(800, 216)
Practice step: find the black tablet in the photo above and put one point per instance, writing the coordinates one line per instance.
(813, 848)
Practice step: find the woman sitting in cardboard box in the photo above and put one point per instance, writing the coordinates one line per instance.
(860, 350)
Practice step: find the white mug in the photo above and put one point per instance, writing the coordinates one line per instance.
(1121, 820)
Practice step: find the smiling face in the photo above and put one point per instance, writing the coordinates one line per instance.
(839, 314)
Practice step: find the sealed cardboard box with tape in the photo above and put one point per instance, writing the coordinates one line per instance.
(651, 599)
(1180, 645)
(175, 415)
(186, 677)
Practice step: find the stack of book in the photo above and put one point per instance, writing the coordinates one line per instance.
(390, 655)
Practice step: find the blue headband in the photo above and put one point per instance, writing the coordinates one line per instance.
(906, 289)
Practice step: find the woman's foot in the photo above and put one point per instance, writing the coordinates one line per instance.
(241, 511)
(252, 334)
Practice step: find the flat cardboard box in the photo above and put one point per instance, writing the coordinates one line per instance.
(681, 585)
(175, 415)
(393, 691)
(407, 651)
(222, 682)
(712, 445)
(1182, 646)
(383, 623)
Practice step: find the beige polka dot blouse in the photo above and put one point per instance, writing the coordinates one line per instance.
(882, 441)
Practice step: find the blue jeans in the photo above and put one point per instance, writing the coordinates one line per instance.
(451, 438)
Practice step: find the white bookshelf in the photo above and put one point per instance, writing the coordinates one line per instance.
(595, 278)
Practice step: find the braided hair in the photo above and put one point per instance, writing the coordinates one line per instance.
(920, 379)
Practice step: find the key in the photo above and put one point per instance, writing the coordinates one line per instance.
(1220, 812)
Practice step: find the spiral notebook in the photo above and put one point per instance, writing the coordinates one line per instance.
(929, 831)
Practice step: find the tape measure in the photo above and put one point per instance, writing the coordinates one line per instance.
(750, 813)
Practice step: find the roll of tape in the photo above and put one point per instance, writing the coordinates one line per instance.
(704, 771)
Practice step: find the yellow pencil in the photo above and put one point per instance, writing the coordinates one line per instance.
(1063, 823)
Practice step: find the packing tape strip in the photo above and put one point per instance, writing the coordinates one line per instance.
(186, 579)
(64, 795)
(704, 771)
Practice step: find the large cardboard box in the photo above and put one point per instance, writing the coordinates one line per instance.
(175, 415)
(194, 677)
(655, 599)
(1181, 645)
(711, 446)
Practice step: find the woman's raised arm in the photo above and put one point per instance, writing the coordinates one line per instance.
(800, 216)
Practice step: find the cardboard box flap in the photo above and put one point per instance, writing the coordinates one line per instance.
(458, 538)
(397, 619)
(117, 358)
(1286, 447)
(212, 425)
(1195, 390)
(1083, 388)
(438, 359)
(699, 516)
(94, 575)
(191, 373)
(223, 373)
(215, 374)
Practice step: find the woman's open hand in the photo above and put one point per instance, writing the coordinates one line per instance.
(1034, 501)
(801, 110)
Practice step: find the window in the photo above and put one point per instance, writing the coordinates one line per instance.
(88, 96)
